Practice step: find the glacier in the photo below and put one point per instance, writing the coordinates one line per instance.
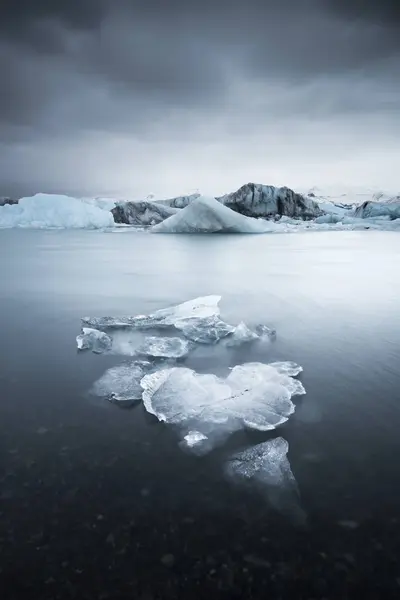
(207, 215)
(253, 395)
(44, 211)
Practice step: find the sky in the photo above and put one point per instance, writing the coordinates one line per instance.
(128, 98)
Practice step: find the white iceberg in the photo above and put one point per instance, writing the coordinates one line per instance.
(121, 384)
(164, 347)
(44, 211)
(93, 339)
(253, 395)
(207, 215)
(267, 466)
(202, 307)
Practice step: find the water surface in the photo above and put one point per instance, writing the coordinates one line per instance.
(93, 498)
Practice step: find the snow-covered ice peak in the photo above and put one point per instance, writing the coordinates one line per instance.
(207, 215)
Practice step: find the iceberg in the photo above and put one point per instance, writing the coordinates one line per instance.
(207, 215)
(199, 308)
(179, 201)
(159, 347)
(93, 339)
(371, 210)
(44, 211)
(267, 466)
(121, 385)
(254, 395)
(257, 200)
(141, 213)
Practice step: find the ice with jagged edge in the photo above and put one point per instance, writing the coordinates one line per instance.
(94, 340)
(164, 347)
(242, 335)
(207, 330)
(253, 395)
(198, 308)
(267, 466)
(207, 215)
(121, 384)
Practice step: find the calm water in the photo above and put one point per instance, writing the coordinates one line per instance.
(98, 502)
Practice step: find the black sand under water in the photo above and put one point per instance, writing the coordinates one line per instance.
(96, 502)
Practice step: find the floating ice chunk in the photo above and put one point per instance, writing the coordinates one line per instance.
(164, 347)
(267, 465)
(265, 331)
(202, 307)
(287, 368)
(93, 339)
(194, 437)
(241, 335)
(253, 395)
(121, 384)
(207, 330)
(207, 215)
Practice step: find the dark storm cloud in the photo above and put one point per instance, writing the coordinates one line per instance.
(179, 71)
(177, 53)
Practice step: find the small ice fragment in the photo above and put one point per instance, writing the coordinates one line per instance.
(267, 465)
(93, 339)
(204, 330)
(160, 347)
(241, 335)
(121, 384)
(194, 437)
(287, 368)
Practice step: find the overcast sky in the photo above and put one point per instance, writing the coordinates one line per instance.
(132, 97)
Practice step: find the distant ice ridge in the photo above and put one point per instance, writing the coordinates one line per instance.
(44, 211)
(207, 215)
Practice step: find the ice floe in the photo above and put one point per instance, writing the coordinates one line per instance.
(253, 395)
(121, 384)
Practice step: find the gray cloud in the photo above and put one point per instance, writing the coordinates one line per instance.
(157, 71)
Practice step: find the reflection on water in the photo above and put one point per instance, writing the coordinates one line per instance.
(96, 499)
